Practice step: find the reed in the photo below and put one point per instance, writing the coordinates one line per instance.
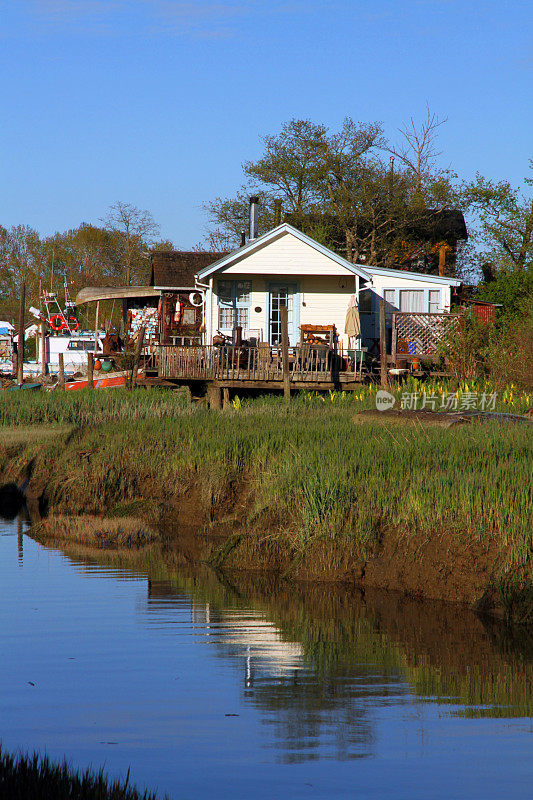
(33, 777)
(86, 407)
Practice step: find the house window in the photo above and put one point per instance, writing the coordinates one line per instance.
(365, 301)
(233, 304)
(434, 301)
(412, 300)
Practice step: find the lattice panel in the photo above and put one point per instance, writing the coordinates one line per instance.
(422, 333)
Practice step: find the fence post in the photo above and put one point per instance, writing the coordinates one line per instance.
(284, 320)
(20, 345)
(382, 343)
(137, 357)
(394, 341)
(90, 370)
(61, 372)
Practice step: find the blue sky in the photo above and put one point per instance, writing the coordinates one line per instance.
(158, 102)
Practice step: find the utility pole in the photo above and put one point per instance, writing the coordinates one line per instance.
(20, 347)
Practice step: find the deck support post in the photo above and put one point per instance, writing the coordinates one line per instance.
(225, 397)
(214, 397)
(284, 320)
(383, 343)
(61, 372)
(20, 344)
(90, 370)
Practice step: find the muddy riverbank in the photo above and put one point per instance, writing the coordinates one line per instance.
(313, 498)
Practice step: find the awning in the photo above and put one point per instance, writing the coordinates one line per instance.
(91, 294)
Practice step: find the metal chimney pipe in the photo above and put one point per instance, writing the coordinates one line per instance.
(254, 217)
(277, 212)
(243, 238)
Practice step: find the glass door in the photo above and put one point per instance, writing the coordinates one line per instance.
(281, 294)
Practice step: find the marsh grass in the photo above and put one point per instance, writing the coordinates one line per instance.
(34, 777)
(86, 407)
(307, 468)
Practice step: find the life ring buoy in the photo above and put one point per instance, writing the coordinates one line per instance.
(73, 323)
(193, 295)
(58, 322)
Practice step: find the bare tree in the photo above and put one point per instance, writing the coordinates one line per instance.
(137, 228)
(418, 151)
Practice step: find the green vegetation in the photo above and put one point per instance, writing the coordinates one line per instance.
(34, 777)
(86, 407)
(305, 476)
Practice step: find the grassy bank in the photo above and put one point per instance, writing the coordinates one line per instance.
(302, 489)
(34, 777)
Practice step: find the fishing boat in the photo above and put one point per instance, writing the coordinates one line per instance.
(109, 382)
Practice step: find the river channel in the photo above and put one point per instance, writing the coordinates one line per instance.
(209, 686)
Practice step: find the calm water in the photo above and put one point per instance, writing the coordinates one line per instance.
(214, 689)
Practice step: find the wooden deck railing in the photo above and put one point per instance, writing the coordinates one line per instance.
(263, 363)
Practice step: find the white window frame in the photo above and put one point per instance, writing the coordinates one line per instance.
(234, 303)
(425, 306)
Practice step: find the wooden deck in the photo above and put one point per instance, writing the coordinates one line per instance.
(261, 366)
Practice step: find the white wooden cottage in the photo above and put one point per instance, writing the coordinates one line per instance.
(285, 267)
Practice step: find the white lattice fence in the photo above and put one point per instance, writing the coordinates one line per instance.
(421, 334)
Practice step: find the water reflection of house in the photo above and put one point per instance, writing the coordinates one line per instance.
(249, 635)
(310, 714)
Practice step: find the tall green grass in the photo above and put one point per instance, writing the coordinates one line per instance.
(321, 474)
(34, 777)
(86, 407)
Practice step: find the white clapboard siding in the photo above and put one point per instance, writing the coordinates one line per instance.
(324, 301)
(287, 256)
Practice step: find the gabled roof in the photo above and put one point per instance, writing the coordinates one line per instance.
(176, 269)
(364, 271)
(267, 238)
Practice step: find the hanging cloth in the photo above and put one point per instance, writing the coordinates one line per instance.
(353, 323)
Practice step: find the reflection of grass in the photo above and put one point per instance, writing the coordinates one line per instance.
(123, 532)
(444, 653)
(33, 776)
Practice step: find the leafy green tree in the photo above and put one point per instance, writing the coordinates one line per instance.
(513, 290)
(341, 188)
(505, 217)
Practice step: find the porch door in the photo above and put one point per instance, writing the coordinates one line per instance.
(281, 294)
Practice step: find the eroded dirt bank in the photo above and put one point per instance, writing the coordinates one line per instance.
(454, 567)
(214, 518)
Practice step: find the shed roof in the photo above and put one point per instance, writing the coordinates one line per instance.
(176, 269)
(90, 294)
